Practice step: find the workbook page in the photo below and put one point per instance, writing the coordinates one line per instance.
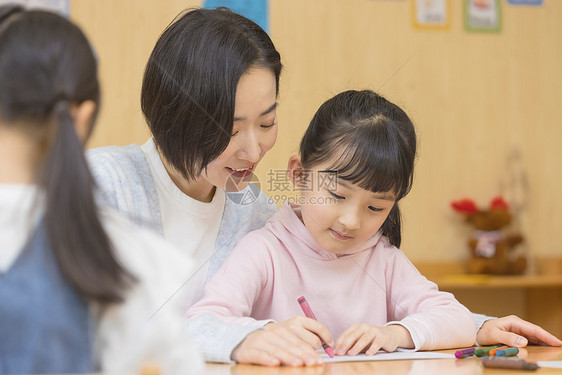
(384, 356)
(551, 364)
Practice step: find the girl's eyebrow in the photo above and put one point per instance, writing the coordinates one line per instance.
(269, 110)
(384, 196)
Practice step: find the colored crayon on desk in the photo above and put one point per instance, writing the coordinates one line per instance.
(509, 352)
(493, 351)
(506, 362)
(465, 352)
(482, 352)
(309, 314)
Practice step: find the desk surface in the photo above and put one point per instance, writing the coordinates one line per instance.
(467, 366)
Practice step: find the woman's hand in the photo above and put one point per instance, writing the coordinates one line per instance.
(514, 331)
(292, 342)
(361, 338)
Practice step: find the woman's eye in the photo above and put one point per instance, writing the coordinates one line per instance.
(375, 209)
(233, 134)
(335, 195)
(268, 126)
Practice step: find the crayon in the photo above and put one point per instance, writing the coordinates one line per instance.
(482, 352)
(493, 351)
(507, 362)
(509, 352)
(309, 314)
(464, 352)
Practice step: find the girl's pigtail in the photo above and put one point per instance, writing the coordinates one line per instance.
(80, 244)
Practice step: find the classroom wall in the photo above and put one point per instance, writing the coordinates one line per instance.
(476, 99)
(123, 33)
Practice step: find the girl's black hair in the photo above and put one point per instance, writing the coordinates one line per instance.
(190, 80)
(368, 141)
(46, 63)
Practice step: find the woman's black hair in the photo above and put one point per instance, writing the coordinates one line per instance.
(376, 144)
(46, 65)
(189, 86)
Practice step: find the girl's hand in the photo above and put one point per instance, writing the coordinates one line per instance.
(369, 339)
(292, 342)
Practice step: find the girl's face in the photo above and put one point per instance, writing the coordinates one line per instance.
(254, 131)
(340, 215)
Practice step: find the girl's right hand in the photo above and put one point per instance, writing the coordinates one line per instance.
(292, 342)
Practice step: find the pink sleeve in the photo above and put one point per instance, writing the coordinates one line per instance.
(435, 320)
(232, 291)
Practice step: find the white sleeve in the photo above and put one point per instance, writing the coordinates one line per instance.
(479, 320)
(216, 339)
(149, 326)
(221, 319)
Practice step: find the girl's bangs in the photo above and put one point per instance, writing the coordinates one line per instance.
(373, 162)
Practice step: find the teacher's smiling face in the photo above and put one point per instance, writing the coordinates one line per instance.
(254, 131)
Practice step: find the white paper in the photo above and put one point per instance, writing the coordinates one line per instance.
(383, 356)
(551, 364)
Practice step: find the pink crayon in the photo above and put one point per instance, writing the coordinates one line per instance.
(309, 314)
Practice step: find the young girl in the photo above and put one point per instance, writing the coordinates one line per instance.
(81, 290)
(209, 96)
(338, 247)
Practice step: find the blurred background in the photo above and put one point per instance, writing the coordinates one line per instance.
(486, 106)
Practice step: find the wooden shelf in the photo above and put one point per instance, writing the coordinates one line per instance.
(465, 281)
(537, 298)
(451, 275)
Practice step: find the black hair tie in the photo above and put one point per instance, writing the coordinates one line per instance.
(61, 106)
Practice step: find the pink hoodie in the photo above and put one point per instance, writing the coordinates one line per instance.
(374, 284)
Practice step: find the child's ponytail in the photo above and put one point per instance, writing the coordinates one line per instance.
(79, 242)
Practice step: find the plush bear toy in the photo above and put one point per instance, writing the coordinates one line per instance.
(491, 249)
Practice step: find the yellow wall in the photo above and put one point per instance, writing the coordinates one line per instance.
(123, 33)
(475, 98)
